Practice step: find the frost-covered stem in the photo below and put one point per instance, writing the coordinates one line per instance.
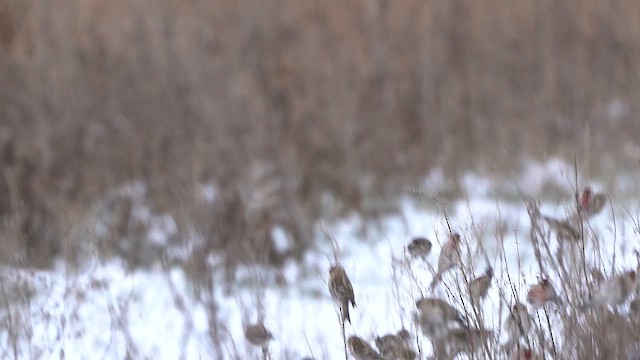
(580, 221)
(344, 335)
(553, 342)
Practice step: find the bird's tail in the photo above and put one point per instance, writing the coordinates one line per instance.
(345, 312)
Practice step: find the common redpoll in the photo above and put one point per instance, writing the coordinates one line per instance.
(614, 291)
(341, 290)
(564, 228)
(396, 346)
(524, 354)
(479, 286)
(449, 258)
(404, 335)
(435, 315)
(518, 324)
(258, 334)
(541, 293)
(590, 203)
(462, 340)
(419, 247)
(390, 341)
(361, 350)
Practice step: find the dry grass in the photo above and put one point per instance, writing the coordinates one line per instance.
(352, 99)
(562, 330)
(296, 112)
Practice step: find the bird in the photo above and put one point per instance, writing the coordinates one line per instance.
(361, 350)
(541, 293)
(257, 334)
(479, 286)
(614, 291)
(435, 315)
(523, 354)
(590, 203)
(518, 324)
(419, 247)
(396, 346)
(566, 229)
(341, 290)
(464, 340)
(404, 335)
(449, 258)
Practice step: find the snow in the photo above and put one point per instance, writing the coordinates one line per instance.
(104, 310)
(81, 315)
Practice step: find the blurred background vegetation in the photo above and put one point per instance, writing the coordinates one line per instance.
(294, 111)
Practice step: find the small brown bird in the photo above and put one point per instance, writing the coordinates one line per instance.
(541, 293)
(461, 341)
(258, 334)
(565, 229)
(435, 315)
(404, 335)
(518, 324)
(524, 354)
(449, 258)
(614, 291)
(341, 290)
(479, 286)
(396, 346)
(361, 350)
(590, 203)
(419, 247)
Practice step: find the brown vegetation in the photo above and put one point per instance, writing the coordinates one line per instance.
(351, 98)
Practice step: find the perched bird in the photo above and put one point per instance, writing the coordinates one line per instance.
(566, 229)
(390, 341)
(541, 293)
(614, 291)
(404, 335)
(479, 286)
(341, 290)
(523, 354)
(405, 353)
(361, 350)
(396, 346)
(462, 340)
(435, 315)
(590, 203)
(258, 334)
(419, 247)
(518, 324)
(449, 258)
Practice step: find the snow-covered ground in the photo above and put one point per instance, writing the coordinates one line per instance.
(103, 310)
